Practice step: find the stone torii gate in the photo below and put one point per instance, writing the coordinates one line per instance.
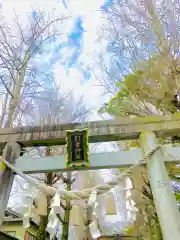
(147, 129)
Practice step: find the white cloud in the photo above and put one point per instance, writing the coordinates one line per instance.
(84, 7)
(92, 20)
(72, 80)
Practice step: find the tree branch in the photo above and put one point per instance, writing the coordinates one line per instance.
(60, 219)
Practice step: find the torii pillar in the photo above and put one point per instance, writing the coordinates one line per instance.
(11, 152)
(165, 202)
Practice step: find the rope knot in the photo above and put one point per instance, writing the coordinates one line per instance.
(152, 151)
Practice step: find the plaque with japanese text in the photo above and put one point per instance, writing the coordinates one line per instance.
(77, 148)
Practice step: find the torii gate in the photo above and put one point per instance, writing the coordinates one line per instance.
(147, 129)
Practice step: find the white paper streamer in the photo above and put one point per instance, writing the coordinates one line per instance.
(56, 204)
(51, 215)
(26, 223)
(52, 223)
(28, 214)
(93, 227)
(52, 227)
(92, 198)
(28, 207)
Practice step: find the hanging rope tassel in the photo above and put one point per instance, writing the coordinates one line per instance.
(42, 205)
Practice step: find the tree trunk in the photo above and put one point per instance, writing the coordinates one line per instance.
(42, 234)
(42, 229)
(14, 102)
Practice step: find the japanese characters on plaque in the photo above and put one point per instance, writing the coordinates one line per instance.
(77, 149)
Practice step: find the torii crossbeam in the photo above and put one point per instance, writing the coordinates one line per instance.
(99, 131)
(102, 160)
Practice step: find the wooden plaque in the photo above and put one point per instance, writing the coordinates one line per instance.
(77, 148)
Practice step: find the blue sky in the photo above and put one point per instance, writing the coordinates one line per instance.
(75, 43)
(71, 59)
(107, 4)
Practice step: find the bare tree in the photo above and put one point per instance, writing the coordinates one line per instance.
(136, 32)
(20, 46)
